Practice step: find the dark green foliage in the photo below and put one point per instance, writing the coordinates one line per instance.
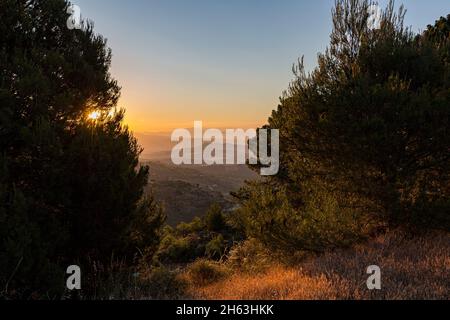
(204, 272)
(215, 248)
(210, 236)
(321, 223)
(438, 34)
(107, 209)
(70, 188)
(215, 220)
(364, 137)
(179, 249)
(195, 226)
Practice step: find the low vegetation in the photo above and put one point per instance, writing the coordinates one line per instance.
(208, 237)
(412, 268)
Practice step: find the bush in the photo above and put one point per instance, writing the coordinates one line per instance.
(178, 249)
(197, 225)
(188, 241)
(321, 223)
(251, 256)
(215, 249)
(215, 220)
(203, 272)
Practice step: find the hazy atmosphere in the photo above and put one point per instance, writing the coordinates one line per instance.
(193, 154)
(222, 62)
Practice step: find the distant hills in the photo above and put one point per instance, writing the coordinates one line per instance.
(187, 191)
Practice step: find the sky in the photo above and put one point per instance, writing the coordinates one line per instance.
(223, 62)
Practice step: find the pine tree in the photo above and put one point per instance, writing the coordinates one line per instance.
(364, 136)
(70, 187)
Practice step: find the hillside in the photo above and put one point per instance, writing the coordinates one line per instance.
(184, 201)
(188, 191)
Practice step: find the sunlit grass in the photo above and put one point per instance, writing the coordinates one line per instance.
(411, 269)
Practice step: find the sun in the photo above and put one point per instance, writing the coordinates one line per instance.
(94, 115)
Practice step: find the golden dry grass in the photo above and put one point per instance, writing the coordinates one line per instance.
(411, 269)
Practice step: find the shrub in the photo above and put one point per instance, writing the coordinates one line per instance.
(177, 249)
(203, 272)
(195, 226)
(215, 220)
(215, 248)
(321, 223)
(250, 256)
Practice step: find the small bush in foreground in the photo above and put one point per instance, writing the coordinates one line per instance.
(203, 272)
(215, 248)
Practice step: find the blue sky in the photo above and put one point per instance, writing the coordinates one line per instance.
(225, 62)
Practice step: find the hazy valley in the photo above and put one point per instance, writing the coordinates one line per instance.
(187, 191)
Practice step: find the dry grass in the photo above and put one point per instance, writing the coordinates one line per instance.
(411, 269)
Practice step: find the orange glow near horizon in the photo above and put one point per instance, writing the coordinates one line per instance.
(162, 103)
(166, 118)
(225, 64)
(143, 126)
